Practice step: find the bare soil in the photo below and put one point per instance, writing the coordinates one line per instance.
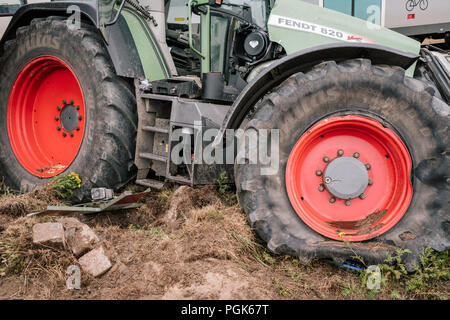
(190, 244)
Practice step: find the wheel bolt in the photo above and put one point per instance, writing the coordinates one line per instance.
(59, 108)
(78, 107)
(368, 166)
(71, 101)
(80, 118)
(321, 188)
(370, 182)
(64, 134)
(326, 159)
(362, 196)
(340, 153)
(348, 203)
(71, 134)
(65, 102)
(56, 118)
(356, 155)
(318, 173)
(59, 128)
(332, 199)
(78, 128)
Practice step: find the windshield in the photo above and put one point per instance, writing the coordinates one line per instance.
(260, 9)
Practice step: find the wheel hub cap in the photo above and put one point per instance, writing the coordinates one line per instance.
(69, 117)
(346, 177)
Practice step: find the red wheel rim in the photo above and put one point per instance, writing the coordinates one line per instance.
(386, 197)
(46, 116)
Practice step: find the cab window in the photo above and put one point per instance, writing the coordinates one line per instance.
(9, 7)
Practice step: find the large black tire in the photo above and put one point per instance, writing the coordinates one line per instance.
(105, 157)
(352, 87)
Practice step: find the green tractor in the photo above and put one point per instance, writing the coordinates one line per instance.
(334, 130)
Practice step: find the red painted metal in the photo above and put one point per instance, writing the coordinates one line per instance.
(386, 200)
(32, 113)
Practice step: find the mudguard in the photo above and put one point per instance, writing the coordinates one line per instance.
(130, 43)
(301, 61)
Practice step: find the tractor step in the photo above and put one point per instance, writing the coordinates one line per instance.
(154, 184)
(155, 129)
(152, 156)
(152, 141)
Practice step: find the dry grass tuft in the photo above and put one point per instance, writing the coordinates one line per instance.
(22, 204)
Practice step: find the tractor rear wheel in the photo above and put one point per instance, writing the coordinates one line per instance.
(65, 110)
(363, 154)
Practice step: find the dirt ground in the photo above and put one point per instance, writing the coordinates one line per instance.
(188, 244)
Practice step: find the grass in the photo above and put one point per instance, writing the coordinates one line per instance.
(10, 257)
(281, 289)
(211, 227)
(350, 289)
(424, 282)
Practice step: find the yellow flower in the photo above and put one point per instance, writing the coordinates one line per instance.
(341, 234)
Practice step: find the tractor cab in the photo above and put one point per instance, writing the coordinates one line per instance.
(217, 42)
(225, 22)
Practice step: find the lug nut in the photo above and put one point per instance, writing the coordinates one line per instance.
(340, 153)
(326, 159)
(318, 173)
(64, 134)
(368, 166)
(56, 118)
(65, 102)
(78, 128)
(348, 203)
(80, 118)
(356, 155)
(321, 188)
(332, 199)
(59, 108)
(78, 107)
(370, 182)
(71, 134)
(362, 196)
(71, 101)
(59, 128)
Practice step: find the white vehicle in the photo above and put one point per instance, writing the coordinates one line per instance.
(417, 18)
(7, 9)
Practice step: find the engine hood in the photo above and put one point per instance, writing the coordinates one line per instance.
(298, 25)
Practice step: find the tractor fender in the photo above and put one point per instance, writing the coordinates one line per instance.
(302, 61)
(26, 13)
(120, 42)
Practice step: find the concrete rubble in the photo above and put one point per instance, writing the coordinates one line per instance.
(49, 233)
(79, 238)
(95, 262)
